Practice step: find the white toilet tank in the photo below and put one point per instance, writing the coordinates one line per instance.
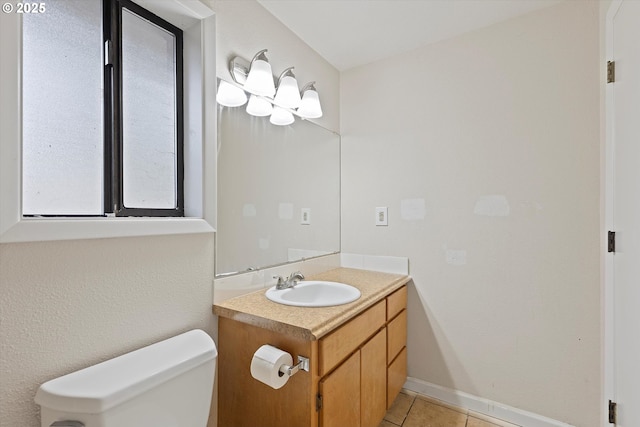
(167, 384)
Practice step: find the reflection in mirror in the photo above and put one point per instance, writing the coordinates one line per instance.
(278, 192)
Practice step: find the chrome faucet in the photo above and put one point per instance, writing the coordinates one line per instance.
(290, 281)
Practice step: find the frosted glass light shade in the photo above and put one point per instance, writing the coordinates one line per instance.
(230, 95)
(281, 117)
(259, 107)
(260, 80)
(288, 95)
(310, 106)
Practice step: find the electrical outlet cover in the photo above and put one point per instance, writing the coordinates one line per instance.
(382, 216)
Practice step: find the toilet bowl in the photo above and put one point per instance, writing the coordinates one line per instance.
(166, 384)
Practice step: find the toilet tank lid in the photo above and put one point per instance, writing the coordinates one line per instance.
(97, 388)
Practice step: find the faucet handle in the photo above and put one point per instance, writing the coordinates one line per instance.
(294, 277)
(280, 281)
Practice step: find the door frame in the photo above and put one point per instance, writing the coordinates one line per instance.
(609, 166)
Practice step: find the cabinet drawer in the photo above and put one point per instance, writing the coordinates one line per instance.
(396, 302)
(345, 340)
(396, 376)
(396, 335)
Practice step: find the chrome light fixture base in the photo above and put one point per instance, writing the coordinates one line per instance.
(239, 68)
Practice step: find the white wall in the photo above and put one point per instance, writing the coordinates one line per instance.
(486, 148)
(68, 305)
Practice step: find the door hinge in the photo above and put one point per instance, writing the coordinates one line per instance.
(611, 241)
(611, 71)
(612, 412)
(108, 53)
(318, 402)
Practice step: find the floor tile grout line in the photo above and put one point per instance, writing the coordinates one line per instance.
(413, 400)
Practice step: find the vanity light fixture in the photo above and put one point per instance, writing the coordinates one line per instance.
(281, 117)
(256, 78)
(260, 78)
(287, 94)
(310, 106)
(230, 95)
(259, 106)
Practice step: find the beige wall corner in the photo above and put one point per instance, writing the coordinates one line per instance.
(486, 149)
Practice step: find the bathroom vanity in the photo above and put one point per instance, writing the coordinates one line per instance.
(357, 354)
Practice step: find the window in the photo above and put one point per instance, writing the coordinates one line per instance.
(62, 149)
(102, 111)
(197, 22)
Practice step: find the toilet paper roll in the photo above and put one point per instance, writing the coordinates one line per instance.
(266, 363)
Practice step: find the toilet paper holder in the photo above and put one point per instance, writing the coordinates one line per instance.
(303, 364)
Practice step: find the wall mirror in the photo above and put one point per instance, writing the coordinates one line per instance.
(278, 192)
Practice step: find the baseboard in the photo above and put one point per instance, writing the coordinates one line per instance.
(480, 405)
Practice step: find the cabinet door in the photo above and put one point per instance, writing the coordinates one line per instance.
(340, 391)
(373, 380)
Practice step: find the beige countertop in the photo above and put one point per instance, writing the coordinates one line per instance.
(311, 323)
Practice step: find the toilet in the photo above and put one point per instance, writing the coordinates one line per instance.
(167, 384)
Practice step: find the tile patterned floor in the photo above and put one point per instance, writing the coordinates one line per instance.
(414, 410)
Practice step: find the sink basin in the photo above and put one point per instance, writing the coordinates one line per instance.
(314, 293)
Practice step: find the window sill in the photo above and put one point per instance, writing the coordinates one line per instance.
(47, 229)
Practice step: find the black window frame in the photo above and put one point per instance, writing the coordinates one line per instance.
(113, 133)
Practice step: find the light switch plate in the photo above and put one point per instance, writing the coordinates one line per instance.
(381, 216)
(305, 216)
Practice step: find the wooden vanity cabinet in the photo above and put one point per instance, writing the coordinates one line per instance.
(356, 372)
(379, 335)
